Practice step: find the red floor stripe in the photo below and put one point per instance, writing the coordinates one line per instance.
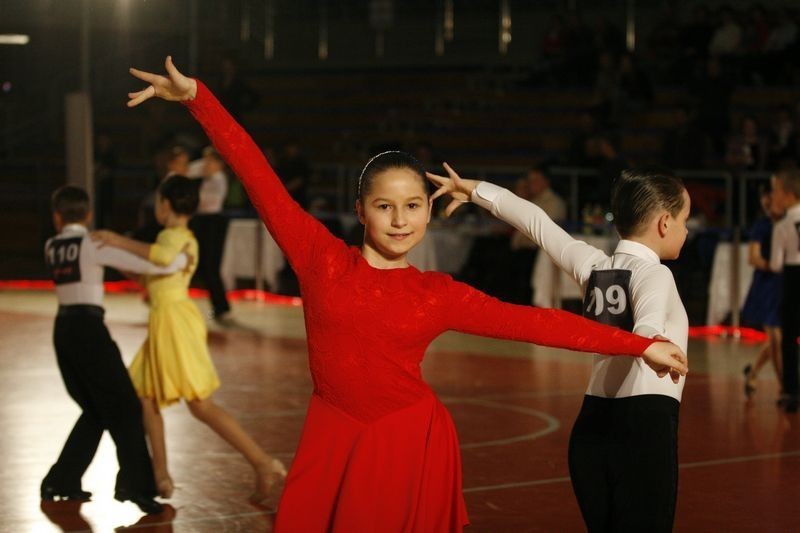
(130, 286)
(695, 332)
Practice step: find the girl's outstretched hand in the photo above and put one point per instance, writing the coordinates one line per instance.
(104, 237)
(460, 190)
(666, 358)
(174, 87)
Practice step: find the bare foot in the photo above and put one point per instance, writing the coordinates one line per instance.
(267, 476)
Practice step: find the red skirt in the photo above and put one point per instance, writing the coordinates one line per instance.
(400, 473)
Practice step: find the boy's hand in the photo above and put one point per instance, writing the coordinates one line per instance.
(459, 190)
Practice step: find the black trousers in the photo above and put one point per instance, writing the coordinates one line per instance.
(623, 461)
(790, 323)
(96, 378)
(211, 231)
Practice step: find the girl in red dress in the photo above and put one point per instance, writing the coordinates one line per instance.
(378, 452)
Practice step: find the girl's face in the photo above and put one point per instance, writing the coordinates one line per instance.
(395, 213)
(162, 209)
(676, 231)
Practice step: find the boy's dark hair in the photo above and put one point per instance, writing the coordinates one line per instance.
(384, 161)
(789, 177)
(639, 193)
(71, 203)
(182, 193)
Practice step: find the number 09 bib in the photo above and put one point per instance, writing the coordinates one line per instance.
(607, 299)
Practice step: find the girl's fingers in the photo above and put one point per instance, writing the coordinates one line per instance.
(438, 193)
(171, 70)
(149, 77)
(455, 204)
(451, 172)
(141, 96)
(438, 180)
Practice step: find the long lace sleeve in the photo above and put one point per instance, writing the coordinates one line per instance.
(470, 311)
(298, 234)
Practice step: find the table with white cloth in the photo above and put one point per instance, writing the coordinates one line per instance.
(720, 287)
(551, 285)
(241, 256)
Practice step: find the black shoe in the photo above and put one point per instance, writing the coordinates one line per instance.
(749, 388)
(52, 494)
(146, 503)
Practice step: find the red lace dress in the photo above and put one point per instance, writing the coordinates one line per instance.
(378, 452)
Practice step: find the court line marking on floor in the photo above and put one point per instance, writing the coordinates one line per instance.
(552, 423)
(216, 518)
(695, 464)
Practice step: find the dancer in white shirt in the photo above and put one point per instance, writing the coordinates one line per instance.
(623, 448)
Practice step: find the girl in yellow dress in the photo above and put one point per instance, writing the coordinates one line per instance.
(174, 363)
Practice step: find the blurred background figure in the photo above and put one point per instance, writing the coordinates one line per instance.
(762, 306)
(534, 186)
(210, 226)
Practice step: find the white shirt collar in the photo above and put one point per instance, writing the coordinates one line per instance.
(637, 249)
(75, 228)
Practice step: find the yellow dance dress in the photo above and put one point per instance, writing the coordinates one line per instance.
(173, 362)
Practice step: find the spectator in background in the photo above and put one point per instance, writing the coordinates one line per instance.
(535, 186)
(210, 227)
(747, 148)
(685, 145)
(783, 138)
(781, 48)
(755, 33)
(727, 38)
(784, 33)
(294, 170)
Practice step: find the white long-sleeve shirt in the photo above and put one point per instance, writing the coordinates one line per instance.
(785, 249)
(630, 289)
(213, 190)
(76, 263)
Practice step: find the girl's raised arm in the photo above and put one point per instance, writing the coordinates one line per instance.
(298, 234)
